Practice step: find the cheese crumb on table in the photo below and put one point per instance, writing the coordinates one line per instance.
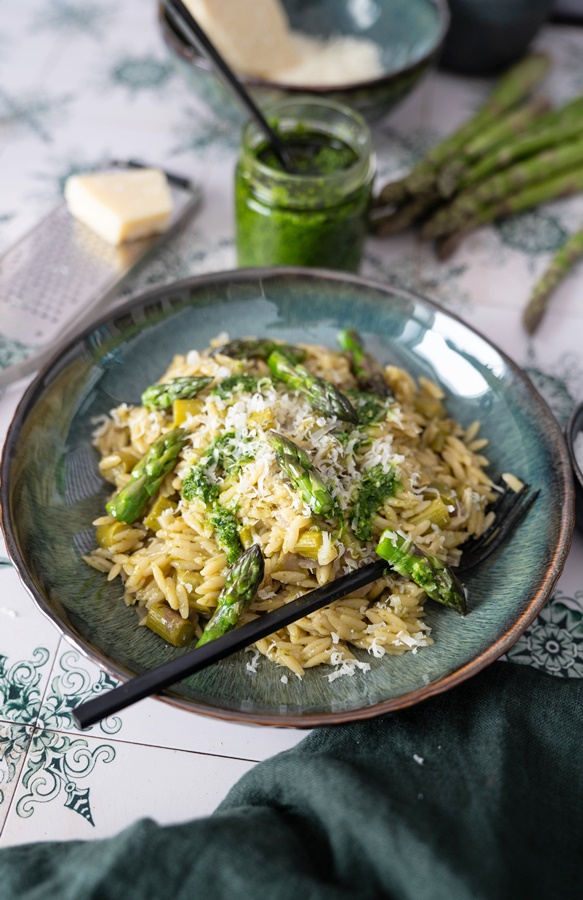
(121, 206)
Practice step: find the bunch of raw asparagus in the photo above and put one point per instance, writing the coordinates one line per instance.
(513, 154)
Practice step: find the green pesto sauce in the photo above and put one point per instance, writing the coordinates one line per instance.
(226, 532)
(376, 485)
(311, 154)
(281, 231)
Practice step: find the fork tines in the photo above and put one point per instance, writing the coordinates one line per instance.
(509, 509)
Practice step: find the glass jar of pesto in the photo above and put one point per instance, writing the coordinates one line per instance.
(315, 215)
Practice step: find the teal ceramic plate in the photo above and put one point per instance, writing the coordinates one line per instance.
(51, 490)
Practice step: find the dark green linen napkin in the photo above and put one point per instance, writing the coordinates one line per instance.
(477, 793)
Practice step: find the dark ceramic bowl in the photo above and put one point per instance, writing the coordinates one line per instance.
(575, 427)
(410, 32)
(488, 35)
(51, 490)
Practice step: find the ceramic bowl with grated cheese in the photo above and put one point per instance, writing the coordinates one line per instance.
(367, 55)
(417, 463)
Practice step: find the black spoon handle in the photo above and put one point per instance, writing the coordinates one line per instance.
(193, 33)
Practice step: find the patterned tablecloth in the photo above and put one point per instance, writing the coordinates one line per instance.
(82, 81)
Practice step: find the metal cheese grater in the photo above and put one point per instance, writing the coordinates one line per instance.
(55, 276)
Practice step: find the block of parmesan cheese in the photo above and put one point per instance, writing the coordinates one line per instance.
(121, 206)
(253, 37)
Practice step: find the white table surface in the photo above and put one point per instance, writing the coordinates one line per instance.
(81, 82)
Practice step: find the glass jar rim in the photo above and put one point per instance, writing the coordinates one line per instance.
(357, 172)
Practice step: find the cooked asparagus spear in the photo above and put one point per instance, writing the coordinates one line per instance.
(521, 175)
(377, 484)
(296, 464)
(511, 89)
(322, 395)
(563, 261)
(368, 373)
(169, 624)
(147, 476)
(563, 185)
(437, 580)
(161, 396)
(241, 383)
(259, 349)
(243, 580)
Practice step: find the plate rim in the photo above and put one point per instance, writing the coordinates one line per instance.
(308, 720)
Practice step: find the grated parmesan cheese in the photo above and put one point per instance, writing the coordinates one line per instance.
(257, 40)
(345, 666)
(252, 664)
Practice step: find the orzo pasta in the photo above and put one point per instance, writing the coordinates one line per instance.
(228, 487)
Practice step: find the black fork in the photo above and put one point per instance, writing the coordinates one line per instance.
(510, 508)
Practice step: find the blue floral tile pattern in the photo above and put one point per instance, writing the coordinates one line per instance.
(66, 17)
(54, 762)
(54, 765)
(71, 685)
(554, 642)
(140, 73)
(33, 113)
(20, 695)
(14, 742)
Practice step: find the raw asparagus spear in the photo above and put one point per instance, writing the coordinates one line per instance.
(400, 219)
(523, 174)
(507, 126)
(296, 464)
(437, 580)
(562, 185)
(368, 373)
(511, 89)
(243, 580)
(147, 476)
(322, 395)
(490, 139)
(547, 134)
(161, 396)
(563, 261)
(259, 349)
